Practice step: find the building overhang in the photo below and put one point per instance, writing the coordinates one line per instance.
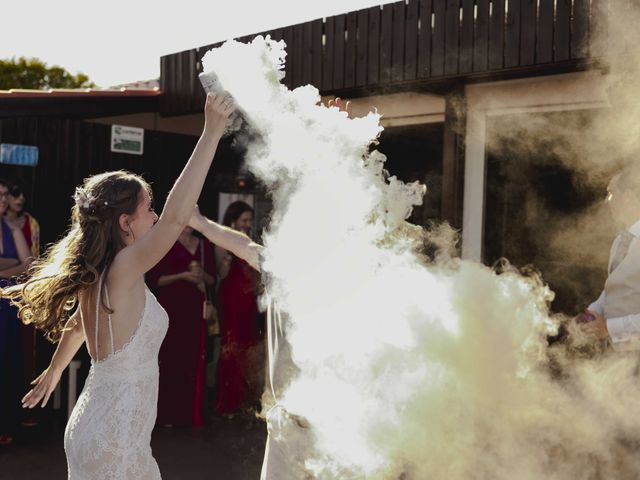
(77, 103)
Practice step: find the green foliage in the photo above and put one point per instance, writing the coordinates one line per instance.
(35, 74)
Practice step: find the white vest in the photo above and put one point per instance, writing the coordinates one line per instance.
(622, 288)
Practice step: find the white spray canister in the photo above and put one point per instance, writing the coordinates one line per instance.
(211, 84)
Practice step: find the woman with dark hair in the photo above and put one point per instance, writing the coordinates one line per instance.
(18, 217)
(239, 372)
(239, 217)
(14, 260)
(89, 288)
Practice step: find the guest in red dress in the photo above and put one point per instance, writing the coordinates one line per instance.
(239, 369)
(179, 280)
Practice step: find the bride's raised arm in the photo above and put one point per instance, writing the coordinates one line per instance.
(142, 255)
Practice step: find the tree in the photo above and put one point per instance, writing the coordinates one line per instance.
(35, 74)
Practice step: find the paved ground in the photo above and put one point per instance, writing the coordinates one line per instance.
(226, 449)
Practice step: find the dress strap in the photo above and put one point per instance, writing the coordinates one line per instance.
(100, 283)
(97, 317)
(106, 292)
(80, 312)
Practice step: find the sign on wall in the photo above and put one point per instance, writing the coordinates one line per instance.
(127, 139)
(24, 155)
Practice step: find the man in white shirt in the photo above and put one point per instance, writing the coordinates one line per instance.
(616, 313)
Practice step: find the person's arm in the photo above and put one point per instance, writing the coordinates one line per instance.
(35, 237)
(624, 332)
(24, 255)
(8, 263)
(72, 339)
(165, 280)
(598, 305)
(227, 238)
(135, 260)
(624, 329)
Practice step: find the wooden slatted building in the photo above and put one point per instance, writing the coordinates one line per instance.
(441, 72)
(448, 49)
(424, 45)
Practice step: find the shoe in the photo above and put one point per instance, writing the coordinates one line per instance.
(6, 440)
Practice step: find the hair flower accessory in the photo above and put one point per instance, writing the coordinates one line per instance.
(83, 200)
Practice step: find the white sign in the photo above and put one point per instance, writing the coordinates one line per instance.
(127, 139)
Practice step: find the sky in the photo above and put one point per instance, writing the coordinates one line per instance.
(121, 41)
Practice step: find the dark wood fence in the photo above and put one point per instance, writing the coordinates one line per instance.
(70, 150)
(410, 41)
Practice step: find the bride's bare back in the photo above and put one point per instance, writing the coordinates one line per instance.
(119, 326)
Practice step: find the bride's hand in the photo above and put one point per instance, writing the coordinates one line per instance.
(44, 386)
(217, 110)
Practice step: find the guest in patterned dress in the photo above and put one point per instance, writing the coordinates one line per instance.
(18, 217)
(14, 260)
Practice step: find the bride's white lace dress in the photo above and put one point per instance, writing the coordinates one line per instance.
(108, 435)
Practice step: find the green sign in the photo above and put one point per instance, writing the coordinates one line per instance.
(127, 139)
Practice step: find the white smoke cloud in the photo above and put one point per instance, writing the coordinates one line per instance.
(408, 369)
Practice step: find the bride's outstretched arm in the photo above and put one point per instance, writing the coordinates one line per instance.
(43, 386)
(236, 242)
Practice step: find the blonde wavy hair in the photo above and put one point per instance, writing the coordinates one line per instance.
(50, 292)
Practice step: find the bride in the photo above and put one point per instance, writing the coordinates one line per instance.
(114, 239)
